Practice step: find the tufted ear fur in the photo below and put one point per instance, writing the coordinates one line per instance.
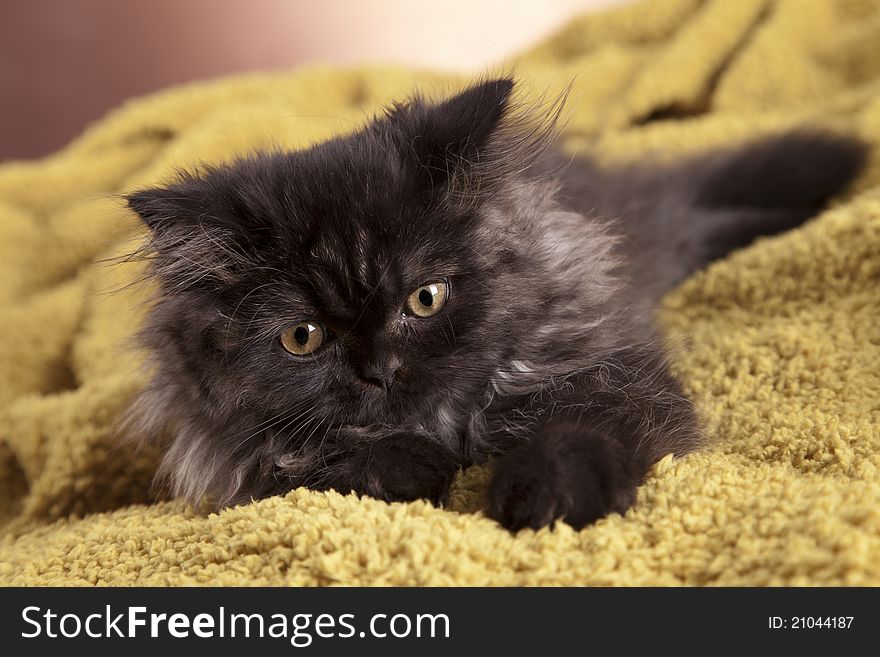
(201, 232)
(459, 129)
(161, 208)
(471, 142)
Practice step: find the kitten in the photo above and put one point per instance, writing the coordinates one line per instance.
(378, 311)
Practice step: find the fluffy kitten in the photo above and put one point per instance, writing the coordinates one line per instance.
(379, 310)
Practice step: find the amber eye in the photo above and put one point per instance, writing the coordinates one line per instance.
(303, 338)
(428, 300)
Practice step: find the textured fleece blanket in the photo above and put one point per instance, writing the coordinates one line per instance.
(780, 343)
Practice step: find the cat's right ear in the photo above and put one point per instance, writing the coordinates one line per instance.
(161, 208)
(145, 203)
(191, 246)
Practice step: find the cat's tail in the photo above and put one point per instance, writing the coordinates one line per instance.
(678, 218)
(770, 186)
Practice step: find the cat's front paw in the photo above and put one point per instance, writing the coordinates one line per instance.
(567, 471)
(400, 468)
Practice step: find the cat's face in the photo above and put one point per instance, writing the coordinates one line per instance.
(350, 285)
(363, 307)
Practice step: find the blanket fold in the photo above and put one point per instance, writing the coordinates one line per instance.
(781, 341)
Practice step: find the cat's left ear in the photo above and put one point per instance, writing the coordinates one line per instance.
(444, 137)
(468, 143)
(460, 128)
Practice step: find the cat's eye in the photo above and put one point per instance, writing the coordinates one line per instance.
(304, 338)
(428, 299)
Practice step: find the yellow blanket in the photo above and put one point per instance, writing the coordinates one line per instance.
(782, 339)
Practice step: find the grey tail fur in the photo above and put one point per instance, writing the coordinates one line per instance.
(678, 218)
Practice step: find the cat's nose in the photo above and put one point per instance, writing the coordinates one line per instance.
(380, 374)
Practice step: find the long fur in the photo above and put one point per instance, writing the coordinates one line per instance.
(546, 351)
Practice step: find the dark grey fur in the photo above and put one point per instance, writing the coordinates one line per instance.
(546, 351)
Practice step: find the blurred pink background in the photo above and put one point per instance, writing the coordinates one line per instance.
(64, 63)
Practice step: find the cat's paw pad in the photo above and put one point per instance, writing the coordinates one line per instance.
(564, 473)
